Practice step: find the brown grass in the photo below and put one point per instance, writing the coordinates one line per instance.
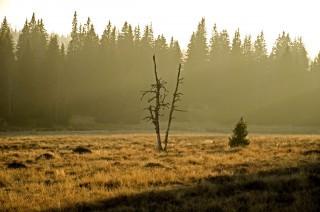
(126, 173)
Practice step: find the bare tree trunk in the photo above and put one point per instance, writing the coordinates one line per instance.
(159, 102)
(157, 107)
(175, 99)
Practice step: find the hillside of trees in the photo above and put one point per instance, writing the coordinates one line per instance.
(47, 84)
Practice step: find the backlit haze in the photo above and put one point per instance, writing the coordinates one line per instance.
(177, 18)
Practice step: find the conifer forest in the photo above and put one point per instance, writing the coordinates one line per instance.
(46, 81)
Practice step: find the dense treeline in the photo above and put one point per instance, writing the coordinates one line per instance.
(45, 83)
(229, 79)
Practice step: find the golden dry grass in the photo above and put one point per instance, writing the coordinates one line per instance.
(126, 173)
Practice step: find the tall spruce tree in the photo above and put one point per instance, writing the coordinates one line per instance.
(236, 47)
(315, 64)
(218, 75)
(247, 50)
(147, 40)
(73, 64)
(299, 73)
(315, 74)
(51, 82)
(62, 115)
(260, 51)
(197, 52)
(260, 57)
(281, 66)
(196, 68)
(26, 71)
(88, 72)
(7, 63)
(147, 50)
(248, 73)
(219, 54)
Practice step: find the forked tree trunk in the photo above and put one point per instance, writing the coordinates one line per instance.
(159, 98)
(175, 99)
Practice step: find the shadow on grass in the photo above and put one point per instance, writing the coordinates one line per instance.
(287, 189)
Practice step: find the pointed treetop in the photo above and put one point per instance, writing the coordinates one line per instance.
(33, 18)
(236, 42)
(4, 26)
(171, 43)
(5, 22)
(33, 21)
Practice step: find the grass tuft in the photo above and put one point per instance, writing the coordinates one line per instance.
(46, 156)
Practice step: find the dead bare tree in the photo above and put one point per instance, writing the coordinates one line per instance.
(158, 95)
(157, 100)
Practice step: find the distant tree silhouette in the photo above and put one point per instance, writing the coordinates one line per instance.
(26, 73)
(174, 57)
(197, 52)
(219, 54)
(147, 40)
(236, 46)
(7, 65)
(196, 67)
(315, 72)
(315, 65)
(260, 50)
(249, 83)
(299, 73)
(281, 57)
(247, 50)
(52, 83)
(219, 66)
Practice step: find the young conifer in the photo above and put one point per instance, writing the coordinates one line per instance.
(239, 135)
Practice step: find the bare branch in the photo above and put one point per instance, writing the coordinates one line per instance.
(176, 98)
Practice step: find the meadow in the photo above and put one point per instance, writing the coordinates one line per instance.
(124, 172)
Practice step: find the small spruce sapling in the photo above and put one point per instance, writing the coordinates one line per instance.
(239, 135)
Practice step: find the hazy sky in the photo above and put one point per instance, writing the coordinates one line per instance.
(178, 18)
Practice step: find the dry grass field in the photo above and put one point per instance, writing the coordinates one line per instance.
(125, 173)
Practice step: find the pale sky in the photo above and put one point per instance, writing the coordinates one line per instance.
(178, 18)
